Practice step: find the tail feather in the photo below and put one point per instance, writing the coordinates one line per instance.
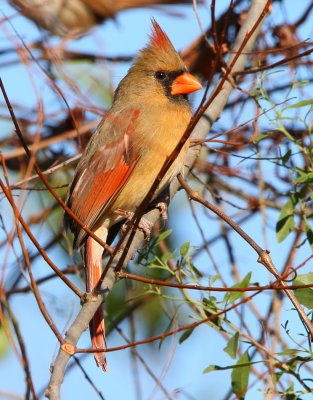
(97, 333)
(93, 262)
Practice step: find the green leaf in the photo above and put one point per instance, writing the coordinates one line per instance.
(231, 297)
(3, 340)
(305, 295)
(309, 235)
(302, 103)
(185, 335)
(240, 376)
(210, 308)
(286, 222)
(300, 83)
(232, 345)
(168, 328)
(184, 249)
(210, 302)
(290, 393)
(195, 270)
(164, 235)
(283, 227)
(210, 368)
(286, 157)
(213, 279)
(262, 136)
(304, 177)
(288, 352)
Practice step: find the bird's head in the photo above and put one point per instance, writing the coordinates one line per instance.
(159, 74)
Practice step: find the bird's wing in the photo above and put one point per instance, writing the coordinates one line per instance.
(103, 171)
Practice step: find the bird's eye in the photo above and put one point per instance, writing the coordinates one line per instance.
(160, 75)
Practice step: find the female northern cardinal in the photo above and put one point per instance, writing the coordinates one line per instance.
(149, 115)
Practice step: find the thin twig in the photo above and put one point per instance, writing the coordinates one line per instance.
(264, 257)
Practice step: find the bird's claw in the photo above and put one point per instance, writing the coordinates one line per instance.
(144, 224)
(162, 206)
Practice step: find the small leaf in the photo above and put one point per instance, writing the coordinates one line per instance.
(300, 83)
(232, 345)
(231, 297)
(309, 235)
(284, 227)
(195, 270)
(210, 368)
(304, 177)
(210, 309)
(286, 222)
(233, 367)
(164, 235)
(213, 279)
(184, 249)
(291, 393)
(4, 340)
(305, 295)
(262, 136)
(286, 157)
(168, 328)
(288, 352)
(302, 103)
(240, 376)
(210, 302)
(185, 335)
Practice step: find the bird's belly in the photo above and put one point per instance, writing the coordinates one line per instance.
(143, 177)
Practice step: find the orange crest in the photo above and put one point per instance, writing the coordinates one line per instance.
(159, 38)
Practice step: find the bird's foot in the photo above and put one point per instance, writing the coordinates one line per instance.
(144, 224)
(162, 206)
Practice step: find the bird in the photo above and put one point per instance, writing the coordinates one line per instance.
(69, 18)
(149, 115)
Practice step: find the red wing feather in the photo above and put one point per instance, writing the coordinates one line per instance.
(103, 171)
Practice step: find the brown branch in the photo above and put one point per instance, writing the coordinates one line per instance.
(77, 291)
(264, 257)
(283, 61)
(272, 286)
(35, 289)
(43, 177)
(52, 140)
(27, 289)
(25, 362)
(88, 379)
(172, 332)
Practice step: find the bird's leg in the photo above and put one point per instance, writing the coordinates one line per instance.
(145, 225)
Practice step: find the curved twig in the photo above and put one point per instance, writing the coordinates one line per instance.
(264, 255)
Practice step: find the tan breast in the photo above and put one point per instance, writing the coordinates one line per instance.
(165, 131)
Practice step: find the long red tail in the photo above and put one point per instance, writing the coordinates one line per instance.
(93, 262)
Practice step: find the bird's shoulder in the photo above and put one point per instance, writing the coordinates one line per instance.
(118, 125)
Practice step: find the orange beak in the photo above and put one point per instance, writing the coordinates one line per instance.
(185, 83)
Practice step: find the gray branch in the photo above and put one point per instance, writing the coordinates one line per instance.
(200, 132)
